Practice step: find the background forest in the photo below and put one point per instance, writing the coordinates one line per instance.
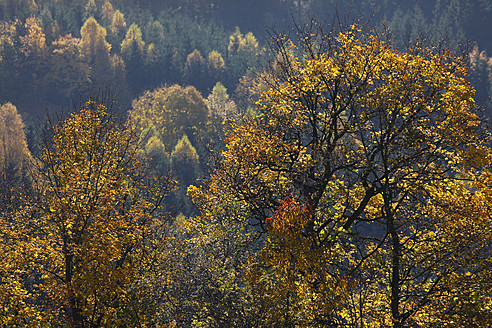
(214, 206)
(54, 54)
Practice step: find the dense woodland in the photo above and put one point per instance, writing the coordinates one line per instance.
(274, 163)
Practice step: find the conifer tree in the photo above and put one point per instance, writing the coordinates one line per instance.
(185, 162)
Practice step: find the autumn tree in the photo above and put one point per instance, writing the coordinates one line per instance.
(195, 71)
(118, 23)
(185, 162)
(216, 66)
(107, 12)
(207, 256)
(173, 111)
(69, 72)
(219, 104)
(133, 52)
(33, 61)
(33, 44)
(95, 51)
(348, 168)
(13, 146)
(154, 148)
(77, 251)
(133, 44)
(7, 57)
(15, 158)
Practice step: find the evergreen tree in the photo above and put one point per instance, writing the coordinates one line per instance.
(195, 71)
(185, 161)
(133, 52)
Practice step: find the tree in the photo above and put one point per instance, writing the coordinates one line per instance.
(173, 111)
(481, 75)
(34, 59)
(243, 52)
(90, 9)
(249, 89)
(155, 32)
(118, 23)
(195, 71)
(69, 72)
(155, 149)
(185, 165)
(207, 257)
(346, 169)
(94, 50)
(185, 162)
(219, 104)
(14, 153)
(8, 56)
(133, 45)
(216, 66)
(15, 158)
(133, 52)
(76, 253)
(12, 8)
(107, 12)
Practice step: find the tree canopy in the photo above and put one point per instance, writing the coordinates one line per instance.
(322, 177)
(75, 253)
(173, 111)
(349, 168)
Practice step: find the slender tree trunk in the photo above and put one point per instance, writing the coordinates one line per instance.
(395, 262)
(76, 319)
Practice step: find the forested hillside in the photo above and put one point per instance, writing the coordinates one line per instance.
(231, 163)
(54, 51)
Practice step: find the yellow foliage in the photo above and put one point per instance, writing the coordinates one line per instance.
(85, 236)
(385, 154)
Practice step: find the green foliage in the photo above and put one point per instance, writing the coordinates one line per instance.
(216, 66)
(90, 9)
(155, 32)
(133, 45)
(195, 71)
(209, 28)
(219, 104)
(30, 51)
(173, 111)
(133, 52)
(185, 162)
(243, 52)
